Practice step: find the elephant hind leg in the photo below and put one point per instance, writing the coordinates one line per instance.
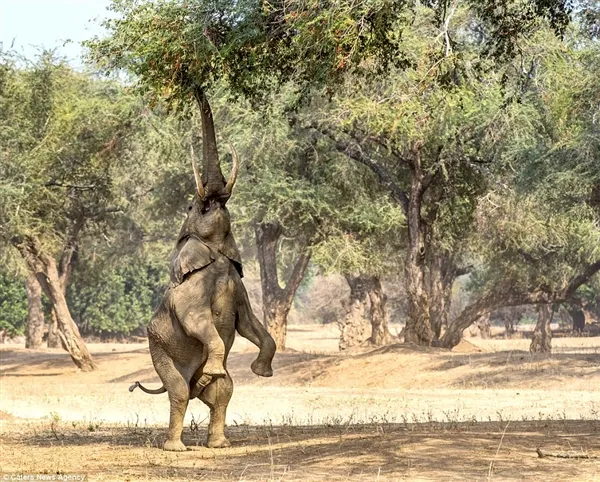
(179, 393)
(199, 324)
(217, 395)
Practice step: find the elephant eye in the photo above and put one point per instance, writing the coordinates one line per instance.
(190, 207)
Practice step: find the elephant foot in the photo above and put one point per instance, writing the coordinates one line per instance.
(199, 386)
(218, 442)
(262, 368)
(174, 446)
(214, 368)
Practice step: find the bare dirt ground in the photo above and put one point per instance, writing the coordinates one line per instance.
(396, 413)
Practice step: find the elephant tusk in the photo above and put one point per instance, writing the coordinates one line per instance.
(234, 171)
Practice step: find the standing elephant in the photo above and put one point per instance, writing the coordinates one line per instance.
(194, 327)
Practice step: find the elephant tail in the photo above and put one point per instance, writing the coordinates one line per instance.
(147, 390)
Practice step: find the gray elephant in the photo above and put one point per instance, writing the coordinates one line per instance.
(194, 327)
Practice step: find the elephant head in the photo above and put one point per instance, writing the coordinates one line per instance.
(207, 215)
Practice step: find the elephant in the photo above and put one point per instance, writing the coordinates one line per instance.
(192, 330)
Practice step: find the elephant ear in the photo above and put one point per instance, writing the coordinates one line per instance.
(229, 249)
(190, 255)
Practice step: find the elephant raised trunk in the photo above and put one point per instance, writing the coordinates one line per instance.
(211, 183)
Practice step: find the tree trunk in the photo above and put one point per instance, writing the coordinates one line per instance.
(47, 275)
(442, 272)
(495, 300)
(277, 301)
(578, 317)
(438, 312)
(418, 324)
(35, 314)
(53, 338)
(483, 325)
(380, 333)
(365, 320)
(542, 335)
(356, 326)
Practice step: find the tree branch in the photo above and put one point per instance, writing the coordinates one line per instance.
(55, 183)
(296, 277)
(576, 282)
(498, 299)
(354, 152)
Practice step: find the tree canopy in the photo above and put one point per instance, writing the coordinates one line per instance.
(413, 141)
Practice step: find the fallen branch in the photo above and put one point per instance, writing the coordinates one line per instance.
(565, 455)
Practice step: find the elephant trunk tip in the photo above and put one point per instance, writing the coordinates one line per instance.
(134, 386)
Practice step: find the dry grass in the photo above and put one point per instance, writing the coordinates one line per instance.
(390, 414)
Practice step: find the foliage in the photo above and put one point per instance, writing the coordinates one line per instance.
(314, 193)
(525, 243)
(457, 117)
(542, 228)
(172, 47)
(79, 158)
(13, 305)
(511, 147)
(111, 300)
(63, 138)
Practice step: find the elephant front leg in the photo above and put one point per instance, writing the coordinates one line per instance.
(200, 325)
(217, 396)
(250, 328)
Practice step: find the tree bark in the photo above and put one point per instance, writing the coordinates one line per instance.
(277, 301)
(438, 312)
(66, 264)
(441, 274)
(418, 324)
(542, 335)
(365, 320)
(35, 314)
(47, 274)
(53, 337)
(356, 326)
(380, 333)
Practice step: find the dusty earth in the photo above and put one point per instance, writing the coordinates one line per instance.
(396, 413)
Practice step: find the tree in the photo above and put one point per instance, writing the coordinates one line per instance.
(297, 199)
(365, 322)
(428, 133)
(115, 298)
(178, 50)
(542, 334)
(277, 301)
(63, 135)
(545, 229)
(524, 244)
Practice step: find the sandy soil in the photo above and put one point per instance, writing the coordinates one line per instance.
(393, 413)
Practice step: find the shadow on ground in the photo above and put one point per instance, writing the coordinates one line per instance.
(473, 451)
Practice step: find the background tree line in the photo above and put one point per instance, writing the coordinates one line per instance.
(398, 144)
